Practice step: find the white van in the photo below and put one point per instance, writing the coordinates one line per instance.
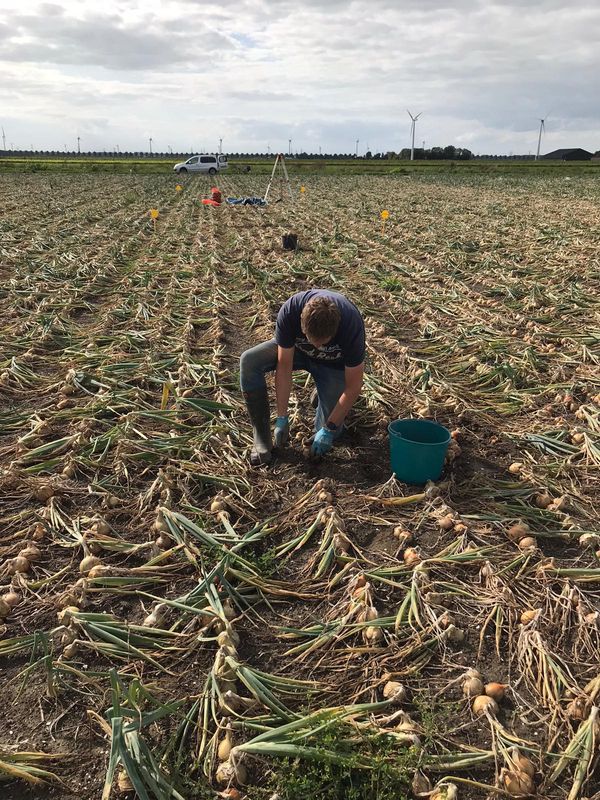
(205, 163)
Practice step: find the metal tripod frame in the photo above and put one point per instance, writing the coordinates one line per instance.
(280, 162)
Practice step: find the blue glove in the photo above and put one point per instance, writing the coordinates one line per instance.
(322, 443)
(282, 431)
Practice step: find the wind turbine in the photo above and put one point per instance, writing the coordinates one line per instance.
(412, 131)
(542, 128)
(3, 140)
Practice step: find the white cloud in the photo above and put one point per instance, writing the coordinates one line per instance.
(323, 72)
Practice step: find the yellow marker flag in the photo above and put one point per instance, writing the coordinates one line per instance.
(154, 213)
(303, 189)
(178, 188)
(385, 215)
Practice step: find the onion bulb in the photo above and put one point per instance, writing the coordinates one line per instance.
(517, 531)
(225, 745)
(579, 708)
(11, 598)
(394, 691)
(542, 500)
(228, 638)
(446, 523)
(529, 615)
(5, 609)
(124, 784)
(31, 552)
(445, 791)
(454, 634)
(402, 534)
(521, 763)
(100, 571)
(515, 468)
(411, 556)
(71, 650)
(86, 564)
(372, 634)
(472, 687)
(589, 540)
(496, 690)
(217, 506)
(483, 703)
(17, 564)
(528, 543)
(517, 783)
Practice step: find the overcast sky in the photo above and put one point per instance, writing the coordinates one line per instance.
(321, 72)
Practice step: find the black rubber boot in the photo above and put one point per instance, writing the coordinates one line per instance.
(257, 403)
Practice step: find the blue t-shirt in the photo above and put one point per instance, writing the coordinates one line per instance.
(346, 349)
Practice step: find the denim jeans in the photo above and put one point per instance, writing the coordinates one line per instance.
(330, 382)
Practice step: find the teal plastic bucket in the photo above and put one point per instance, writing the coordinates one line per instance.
(417, 449)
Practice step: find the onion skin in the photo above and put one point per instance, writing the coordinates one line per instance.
(496, 690)
(517, 532)
(86, 564)
(472, 687)
(517, 783)
(483, 703)
(394, 691)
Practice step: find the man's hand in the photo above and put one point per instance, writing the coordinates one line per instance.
(282, 431)
(322, 443)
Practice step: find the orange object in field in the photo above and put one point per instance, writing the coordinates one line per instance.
(215, 195)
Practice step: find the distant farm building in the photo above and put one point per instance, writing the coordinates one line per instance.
(569, 154)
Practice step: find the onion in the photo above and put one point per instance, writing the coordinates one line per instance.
(521, 763)
(483, 703)
(225, 745)
(31, 552)
(472, 687)
(411, 556)
(65, 615)
(372, 634)
(454, 634)
(518, 531)
(589, 540)
(325, 497)
(232, 793)
(496, 690)
(86, 564)
(11, 598)
(101, 527)
(44, 493)
(71, 650)
(368, 614)
(100, 571)
(529, 615)
(5, 609)
(17, 564)
(216, 506)
(517, 783)
(515, 468)
(228, 638)
(68, 471)
(542, 500)
(579, 708)
(402, 534)
(394, 691)
(38, 532)
(528, 543)
(124, 784)
(445, 791)
(446, 523)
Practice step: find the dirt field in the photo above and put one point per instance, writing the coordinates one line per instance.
(167, 595)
